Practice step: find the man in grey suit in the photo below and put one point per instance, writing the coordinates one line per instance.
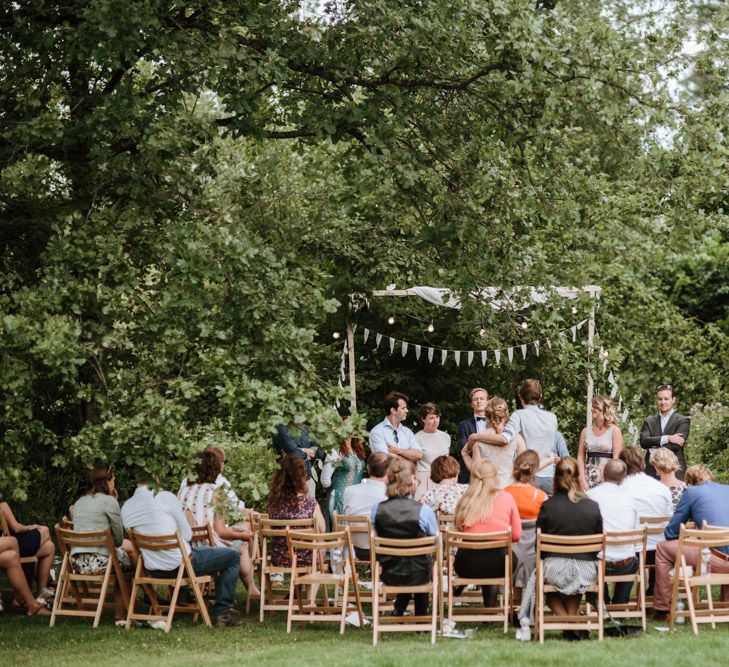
(666, 429)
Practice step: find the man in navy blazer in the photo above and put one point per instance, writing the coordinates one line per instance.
(474, 424)
(702, 500)
(666, 429)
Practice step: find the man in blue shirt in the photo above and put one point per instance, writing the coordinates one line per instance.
(703, 501)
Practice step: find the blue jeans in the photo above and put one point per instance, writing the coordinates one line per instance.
(621, 594)
(211, 560)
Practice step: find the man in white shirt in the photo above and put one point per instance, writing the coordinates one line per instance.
(359, 499)
(391, 436)
(619, 514)
(666, 429)
(160, 513)
(652, 499)
(536, 425)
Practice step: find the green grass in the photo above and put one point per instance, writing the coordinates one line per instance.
(31, 642)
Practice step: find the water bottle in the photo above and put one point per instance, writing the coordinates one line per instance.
(337, 560)
(705, 562)
(680, 606)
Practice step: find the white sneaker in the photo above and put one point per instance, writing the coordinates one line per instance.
(157, 625)
(524, 633)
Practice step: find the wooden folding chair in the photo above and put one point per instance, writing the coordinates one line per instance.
(445, 521)
(268, 530)
(567, 546)
(485, 541)
(693, 579)
(318, 544)
(634, 608)
(421, 546)
(85, 594)
(183, 576)
(654, 527)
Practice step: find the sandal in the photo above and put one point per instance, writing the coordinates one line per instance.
(40, 610)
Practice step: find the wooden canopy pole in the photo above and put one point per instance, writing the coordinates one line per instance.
(594, 293)
(352, 370)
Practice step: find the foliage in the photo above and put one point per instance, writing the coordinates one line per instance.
(708, 441)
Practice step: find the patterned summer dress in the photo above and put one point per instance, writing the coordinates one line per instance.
(300, 507)
(598, 451)
(349, 471)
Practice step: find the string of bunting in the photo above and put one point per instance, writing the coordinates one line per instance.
(442, 353)
(615, 393)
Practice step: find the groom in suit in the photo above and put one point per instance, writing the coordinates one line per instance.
(666, 429)
(475, 424)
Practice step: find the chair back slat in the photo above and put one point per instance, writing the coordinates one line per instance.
(278, 527)
(458, 540)
(355, 523)
(316, 541)
(87, 539)
(569, 544)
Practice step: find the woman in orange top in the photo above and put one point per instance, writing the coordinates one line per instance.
(529, 501)
(485, 508)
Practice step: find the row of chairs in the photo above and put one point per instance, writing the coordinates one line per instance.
(86, 595)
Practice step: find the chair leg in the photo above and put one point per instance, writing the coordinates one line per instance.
(345, 600)
(102, 595)
(292, 588)
(261, 611)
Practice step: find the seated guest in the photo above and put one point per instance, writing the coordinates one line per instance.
(288, 499)
(529, 500)
(98, 509)
(401, 517)
(361, 498)
(567, 512)
(485, 508)
(235, 504)
(666, 464)
(619, 514)
(445, 493)
(703, 500)
(159, 513)
(33, 540)
(10, 562)
(433, 443)
(652, 499)
(202, 502)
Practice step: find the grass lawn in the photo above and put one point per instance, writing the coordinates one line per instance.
(72, 642)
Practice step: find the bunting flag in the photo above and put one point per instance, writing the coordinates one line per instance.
(470, 355)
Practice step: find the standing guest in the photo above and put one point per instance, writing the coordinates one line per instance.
(599, 442)
(391, 436)
(361, 498)
(402, 518)
(445, 493)
(529, 500)
(665, 463)
(474, 424)
(159, 513)
(537, 426)
(286, 443)
(703, 500)
(287, 499)
(652, 499)
(666, 429)
(567, 512)
(433, 443)
(619, 515)
(485, 508)
(10, 562)
(33, 540)
(235, 504)
(497, 415)
(342, 468)
(98, 509)
(206, 503)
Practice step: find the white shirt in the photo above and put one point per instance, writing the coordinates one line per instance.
(234, 502)
(664, 423)
(651, 499)
(432, 445)
(480, 423)
(538, 427)
(619, 514)
(157, 514)
(383, 434)
(359, 499)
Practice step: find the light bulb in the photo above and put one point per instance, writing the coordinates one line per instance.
(574, 310)
(431, 328)
(482, 332)
(391, 319)
(524, 325)
(336, 335)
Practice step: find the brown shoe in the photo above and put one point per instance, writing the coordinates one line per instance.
(659, 615)
(226, 620)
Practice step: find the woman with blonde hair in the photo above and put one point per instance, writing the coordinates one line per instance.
(485, 508)
(497, 415)
(567, 512)
(599, 442)
(666, 464)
